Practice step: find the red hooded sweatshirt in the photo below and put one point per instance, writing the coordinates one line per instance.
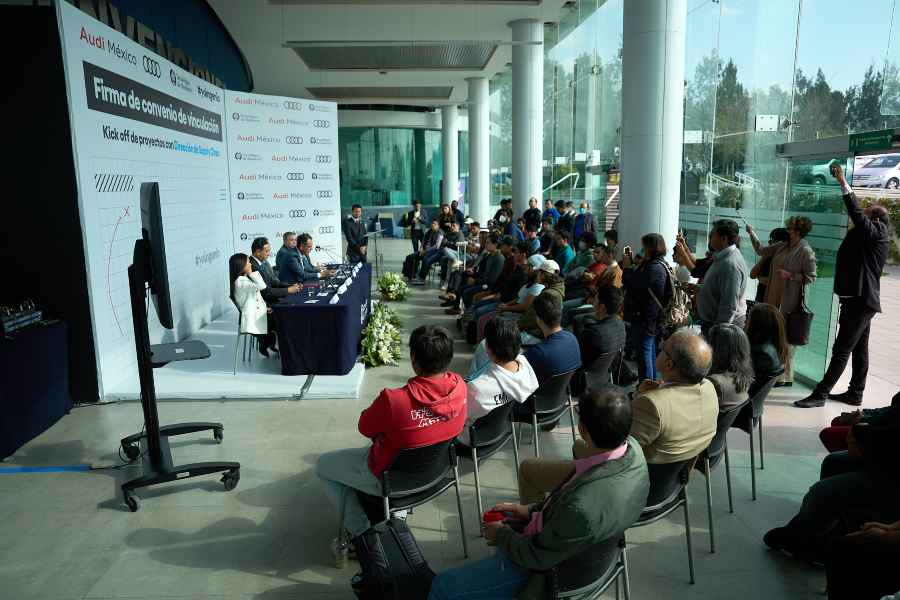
(427, 410)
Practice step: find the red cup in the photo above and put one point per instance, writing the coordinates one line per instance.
(492, 516)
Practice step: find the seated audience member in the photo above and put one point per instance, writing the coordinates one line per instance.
(457, 214)
(549, 277)
(584, 256)
(507, 286)
(545, 235)
(532, 241)
(530, 289)
(611, 239)
(856, 486)
(486, 274)
(516, 230)
(675, 418)
(768, 344)
(429, 409)
(449, 253)
(834, 438)
(287, 261)
(246, 285)
(596, 498)
(731, 371)
(509, 378)
(562, 253)
(504, 213)
(473, 231)
(430, 247)
(437, 252)
(557, 352)
(259, 261)
(604, 271)
(862, 565)
(604, 332)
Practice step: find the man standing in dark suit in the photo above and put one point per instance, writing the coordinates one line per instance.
(857, 282)
(287, 261)
(355, 234)
(457, 214)
(275, 288)
(417, 221)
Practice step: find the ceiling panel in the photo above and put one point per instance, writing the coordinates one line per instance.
(422, 56)
(416, 92)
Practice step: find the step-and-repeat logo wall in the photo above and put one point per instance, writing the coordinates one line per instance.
(284, 170)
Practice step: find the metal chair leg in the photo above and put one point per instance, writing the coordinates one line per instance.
(537, 441)
(515, 452)
(626, 583)
(477, 489)
(459, 508)
(572, 418)
(387, 508)
(712, 533)
(752, 465)
(237, 345)
(728, 480)
(687, 534)
(617, 586)
(762, 458)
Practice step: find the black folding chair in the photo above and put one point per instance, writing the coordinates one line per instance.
(597, 374)
(712, 456)
(589, 574)
(750, 418)
(487, 436)
(546, 406)
(668, 492)
(417, 476)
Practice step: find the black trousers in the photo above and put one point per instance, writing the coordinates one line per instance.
(862, 570)
(852, 340)
(416, 235)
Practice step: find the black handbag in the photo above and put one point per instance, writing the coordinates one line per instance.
(798, 323)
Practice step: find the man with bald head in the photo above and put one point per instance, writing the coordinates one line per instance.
(675, 419)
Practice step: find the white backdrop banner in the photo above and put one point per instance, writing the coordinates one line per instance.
(283, 165)
(135, 117)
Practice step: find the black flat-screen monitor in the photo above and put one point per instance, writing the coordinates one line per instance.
(152, 231)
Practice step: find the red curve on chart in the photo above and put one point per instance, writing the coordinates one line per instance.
(108, 266)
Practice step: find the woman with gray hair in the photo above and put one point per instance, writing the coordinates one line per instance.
(731, 372)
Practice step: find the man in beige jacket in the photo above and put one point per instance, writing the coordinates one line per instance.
(675, 419)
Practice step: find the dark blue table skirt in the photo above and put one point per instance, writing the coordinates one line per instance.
(34, 386)
(323, 338)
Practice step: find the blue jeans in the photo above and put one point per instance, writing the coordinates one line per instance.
(431, 257)
(483, 307)
(492, 578)
(645, 351)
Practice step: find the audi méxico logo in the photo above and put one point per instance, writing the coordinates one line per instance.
(321, 123)
(151, 67)
(324, 194)
(243, 236)
(293, 139)
(293, 105)
(235, 116)
(295, 176)
(240, 195)
(237, 156)
(323, 159)
(326, 229)
(172, 77)
(297, 214)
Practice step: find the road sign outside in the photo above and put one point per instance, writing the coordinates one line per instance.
(871, 140)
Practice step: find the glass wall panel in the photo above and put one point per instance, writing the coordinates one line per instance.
(501, 137)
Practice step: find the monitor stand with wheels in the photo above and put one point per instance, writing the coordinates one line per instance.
(153, 444)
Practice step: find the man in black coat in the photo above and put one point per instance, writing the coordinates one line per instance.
(417, 221)
(355, 234)
(857, 282)
(532, 216)
(275, 288)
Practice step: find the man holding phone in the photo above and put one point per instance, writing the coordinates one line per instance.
(857, 283)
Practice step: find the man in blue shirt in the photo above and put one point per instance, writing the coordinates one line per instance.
(558, 352)
(550, 212)
(563, 253)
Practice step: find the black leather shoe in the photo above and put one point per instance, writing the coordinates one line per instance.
(779, 538)
(784, 384)
(263, 350)
(811, 401)
(448, 304)
(848, 397)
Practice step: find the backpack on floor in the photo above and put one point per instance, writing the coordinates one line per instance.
(409, 265)
(472, 332)
(393, 566)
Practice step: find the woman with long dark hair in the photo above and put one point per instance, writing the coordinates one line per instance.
(246, 285)
(769, 347)
(731, 371)
(647, 291)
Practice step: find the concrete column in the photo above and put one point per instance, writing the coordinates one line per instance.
(652, 119)
(450, 152)
(527, 111)
(479, 150)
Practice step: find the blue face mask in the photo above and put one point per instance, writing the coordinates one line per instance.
(582, 209)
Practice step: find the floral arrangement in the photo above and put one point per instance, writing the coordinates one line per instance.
(381, 337)
(393, 287)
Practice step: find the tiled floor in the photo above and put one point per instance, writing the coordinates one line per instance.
(68, 536)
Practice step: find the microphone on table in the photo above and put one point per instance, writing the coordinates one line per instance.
(330, 254)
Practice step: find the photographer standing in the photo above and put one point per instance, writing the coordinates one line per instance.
(857, 282)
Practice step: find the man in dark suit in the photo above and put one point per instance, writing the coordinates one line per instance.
(309, 273)
(417, 221)
(603, 332)
(355, 234)
(457, 214)
(275, 288)
(857, 282)
(287, 261)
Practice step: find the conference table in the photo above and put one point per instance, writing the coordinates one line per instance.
(318, 335)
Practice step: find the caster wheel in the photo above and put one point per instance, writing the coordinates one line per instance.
(230, 479)
(132, 452)
(218, 434)
(132, 503)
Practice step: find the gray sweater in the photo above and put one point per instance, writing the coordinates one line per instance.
(722, 295)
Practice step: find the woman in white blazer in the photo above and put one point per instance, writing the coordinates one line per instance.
(246, 285)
